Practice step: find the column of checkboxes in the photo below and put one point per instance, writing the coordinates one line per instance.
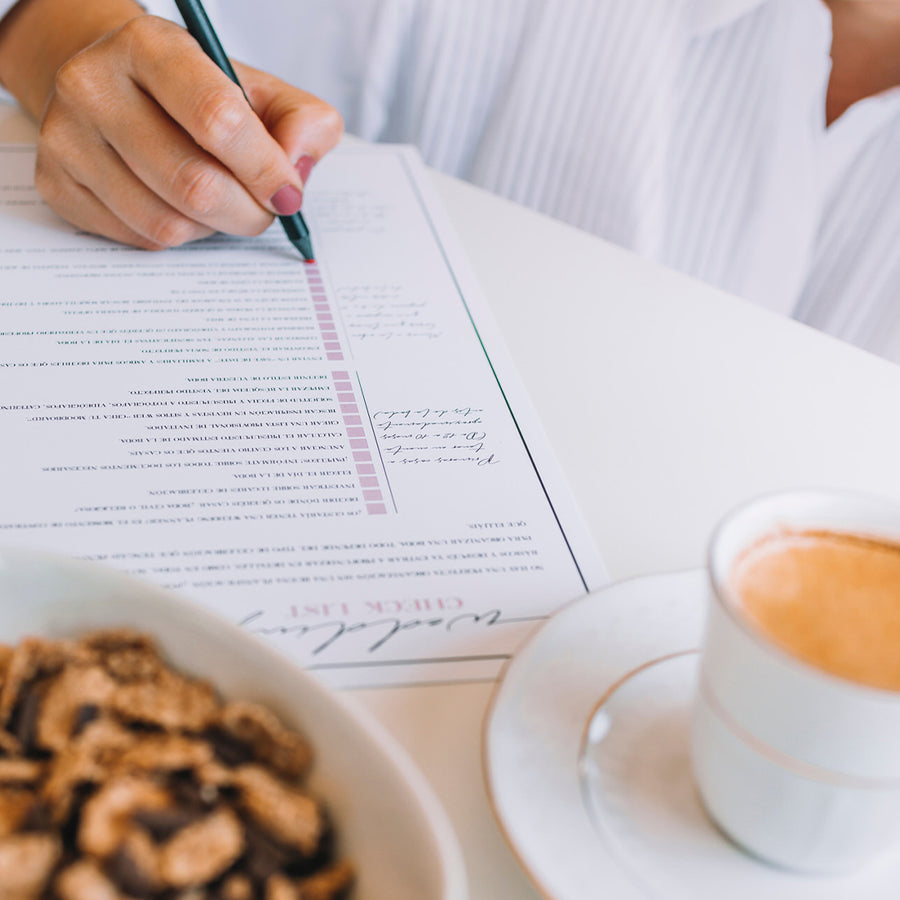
(324, 316)
(363, 460)
(359, 444)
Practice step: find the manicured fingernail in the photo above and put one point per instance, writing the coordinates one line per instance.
(287, 200)
(304, 167)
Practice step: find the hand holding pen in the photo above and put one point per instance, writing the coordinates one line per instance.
(144, 139)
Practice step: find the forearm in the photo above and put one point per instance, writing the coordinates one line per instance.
(38, 36)
(143, 138)
(865, 52)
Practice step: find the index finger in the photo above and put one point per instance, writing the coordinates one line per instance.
(213, 110)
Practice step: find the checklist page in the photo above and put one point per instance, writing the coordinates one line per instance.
(336, 455)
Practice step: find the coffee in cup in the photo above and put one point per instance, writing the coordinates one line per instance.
(830, 599)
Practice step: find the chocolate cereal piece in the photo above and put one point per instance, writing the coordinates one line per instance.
(16, 770)
(165, 753)
(134, 867)
(31, 660)
(86, 760)
(62, 701)
(291, 817)
(6, 654)
(107, 641)
(236, 887)
(265, 737)
(328, 883)
(126, 654)
(10, 745)
(26, 864)
(23, 719)
(106, 817)
(202, 851)
(278, 887)
(169, 701)
(15, 804)
(85, 880)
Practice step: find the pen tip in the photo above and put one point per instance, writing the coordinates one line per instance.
(304, 245)
(298, 234)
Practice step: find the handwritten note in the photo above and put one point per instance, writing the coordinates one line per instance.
(333, 455)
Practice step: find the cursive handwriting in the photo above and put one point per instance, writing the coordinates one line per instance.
(413, 437)
(331, 633)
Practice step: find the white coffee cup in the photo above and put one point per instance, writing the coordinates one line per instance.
(798, 766)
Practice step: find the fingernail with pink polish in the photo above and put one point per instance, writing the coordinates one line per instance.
(287, 200)
(304, 167)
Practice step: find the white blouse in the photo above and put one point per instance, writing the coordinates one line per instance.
(690, 131)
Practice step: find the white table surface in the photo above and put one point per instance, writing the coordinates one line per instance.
(697, 401)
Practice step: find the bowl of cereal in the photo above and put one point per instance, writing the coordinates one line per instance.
(150, 749)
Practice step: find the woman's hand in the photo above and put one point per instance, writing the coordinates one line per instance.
(145, 140)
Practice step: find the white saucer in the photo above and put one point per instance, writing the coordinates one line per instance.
(587, 765)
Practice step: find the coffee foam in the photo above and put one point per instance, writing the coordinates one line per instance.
(829, 599)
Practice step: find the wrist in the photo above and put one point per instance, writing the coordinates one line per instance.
(38, 36)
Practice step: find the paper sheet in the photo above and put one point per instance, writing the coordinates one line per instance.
(337, 456)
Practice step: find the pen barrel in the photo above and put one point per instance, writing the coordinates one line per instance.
(295, 228)
(200, 28)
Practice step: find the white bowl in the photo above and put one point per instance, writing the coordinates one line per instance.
(388, 821)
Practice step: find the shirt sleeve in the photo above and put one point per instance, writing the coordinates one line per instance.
(165, 8)
(5, 7)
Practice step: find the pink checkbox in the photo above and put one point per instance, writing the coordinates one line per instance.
(376, 509)
(365, 469)
(352, 420)
(368, 481)
(334, 356)
(359, 444)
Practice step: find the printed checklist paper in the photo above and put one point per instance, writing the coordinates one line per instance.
(337, 455)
